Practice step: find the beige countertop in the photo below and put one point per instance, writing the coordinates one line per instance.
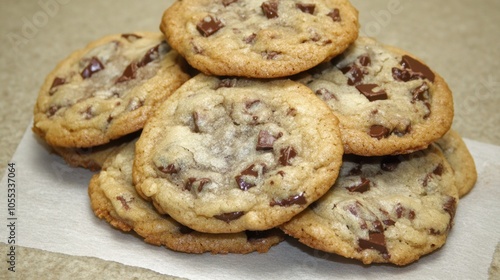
(457, 38)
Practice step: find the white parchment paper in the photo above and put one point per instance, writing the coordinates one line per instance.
(53, 213)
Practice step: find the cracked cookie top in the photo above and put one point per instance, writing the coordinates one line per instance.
(260, 39)
(227, 155)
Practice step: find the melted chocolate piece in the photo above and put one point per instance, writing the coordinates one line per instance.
(403, 132)
(362, 187)
(389, 163)
(128, 74)
(57, 82)
(227, 83)
(265, 140)
(306, 8)
(286, 155)
(367, 91)
(92, 67)
(150, 56)
(240, 180)
(379, 131)
(250, 39)
(335, 15)
(131, 37)
(299, 199)
(376, 241)
(270, 9)
(270, 55)
(364, 60)
(419, 69)
(438, 170)
(209, 25)
(231, 216)
(169, 169)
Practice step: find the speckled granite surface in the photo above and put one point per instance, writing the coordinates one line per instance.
(457, 38)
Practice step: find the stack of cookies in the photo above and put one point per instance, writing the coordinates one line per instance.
(243, 121)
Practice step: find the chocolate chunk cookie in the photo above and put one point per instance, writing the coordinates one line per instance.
(114, 199)
(263, 39)
(228, 155)
(387, 101)
(106, 90)
(390, 209)
(460, 159)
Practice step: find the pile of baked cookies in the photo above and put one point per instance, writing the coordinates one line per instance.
(246, 121)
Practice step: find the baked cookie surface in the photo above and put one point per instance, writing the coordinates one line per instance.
(461, 161)
(106, 90)
(259, 39)
(228, 155)
(387, 101)
(391, 209)
(114, 199)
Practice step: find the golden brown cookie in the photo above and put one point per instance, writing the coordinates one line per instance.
(114, 199)
(228, 155)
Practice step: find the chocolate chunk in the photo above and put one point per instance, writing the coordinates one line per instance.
(128, 73)
(131, 37)
(52, 110)
(420, 93)
(286, 154)
(169, 169)
(124, 202)
(306, 8)
(265, 140)
(376, 241)
(228, 2)
(402, 75)
(417, 68)
(150, 56)
(253, 236)
(195, 122)
(438, 170)
(269, 55)
(325, 94)
(299, 199)
(227, 83)
(194, 182)
(389, 163)
(240, 179)
(209, 25)
(92, 67)
(450, 206)
(364, 60)
(361, 187)
(57, 82)
(367, 90)
(88, 114)
(402, 132)
(185, 230)
(231, 216)
(355, 171)
(379, 131)
(270, 9)
(335, 15)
